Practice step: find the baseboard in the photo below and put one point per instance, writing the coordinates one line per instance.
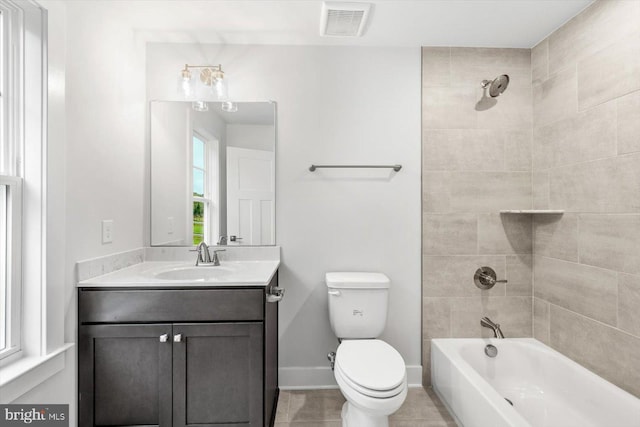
(321, 377)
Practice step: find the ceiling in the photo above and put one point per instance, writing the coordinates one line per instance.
(477, 23)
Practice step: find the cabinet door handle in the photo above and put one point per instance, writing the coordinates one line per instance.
(177, 338)
(164, 337)
(275, 294)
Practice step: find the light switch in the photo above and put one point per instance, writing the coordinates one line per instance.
(107, 231)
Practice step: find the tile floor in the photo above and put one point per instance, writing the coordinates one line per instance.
(321, 408)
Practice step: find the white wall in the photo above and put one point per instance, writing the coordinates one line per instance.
(170, 132)
(335, 105)
(254, 137)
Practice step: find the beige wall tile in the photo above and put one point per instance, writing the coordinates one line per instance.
(610, 241)
(556, 236)
(463, 57)
(449, 108)
(629, 123)
(517, 150)
(513, 110)
(436, 318)
(453, 234)
(608, 352)
(436, 66)
(476, 191)
(612, 72)
(426, 363)
(469, 66)
(629, 303)
(541, 320)
(490, 191)
(514, 314)
(587, 290)
(540, 190)
(476, 150)
(452, 276)
(504, 234)
(463, 149)
(608, 185)
(601, 24)
(436, 191)
(519, 275)
(555, 99)
(540, 62)
(589, 135)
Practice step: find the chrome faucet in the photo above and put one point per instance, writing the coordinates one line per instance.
(488, 323)
(204, 257)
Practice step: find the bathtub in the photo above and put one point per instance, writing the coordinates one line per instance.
(546, 388)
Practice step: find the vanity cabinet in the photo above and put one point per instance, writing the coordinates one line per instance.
(177, 357)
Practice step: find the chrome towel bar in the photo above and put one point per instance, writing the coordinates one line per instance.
(396, 168)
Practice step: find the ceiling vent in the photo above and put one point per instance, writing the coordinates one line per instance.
(342, 19)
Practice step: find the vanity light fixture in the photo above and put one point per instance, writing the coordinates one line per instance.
(211, 76)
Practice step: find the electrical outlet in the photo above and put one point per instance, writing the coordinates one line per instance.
(107, 231)
(171, 225)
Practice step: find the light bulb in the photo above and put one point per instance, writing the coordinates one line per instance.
(229, 107)
(186, 83)
(200, 106)
(221, 88)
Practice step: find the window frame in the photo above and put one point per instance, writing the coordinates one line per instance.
(11, 172)
(25, 137)
(12, 226)
(206, 197)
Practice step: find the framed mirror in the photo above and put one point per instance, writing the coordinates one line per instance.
(212, 173)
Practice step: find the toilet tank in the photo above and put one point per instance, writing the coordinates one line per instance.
(357, 303)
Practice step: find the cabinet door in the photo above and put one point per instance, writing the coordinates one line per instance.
(124, 375)
(218, 375)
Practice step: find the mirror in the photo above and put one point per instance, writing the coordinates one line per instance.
(212, 173)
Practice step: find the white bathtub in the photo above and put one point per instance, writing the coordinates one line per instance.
(547, 389)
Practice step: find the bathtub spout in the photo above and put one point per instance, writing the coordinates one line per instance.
(495, 327)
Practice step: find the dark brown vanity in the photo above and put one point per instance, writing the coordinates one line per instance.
(178, 356)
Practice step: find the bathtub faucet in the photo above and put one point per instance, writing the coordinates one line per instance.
(488, 323)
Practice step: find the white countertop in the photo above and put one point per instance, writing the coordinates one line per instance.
(181, 273)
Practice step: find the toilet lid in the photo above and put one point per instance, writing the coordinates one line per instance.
(372, 364)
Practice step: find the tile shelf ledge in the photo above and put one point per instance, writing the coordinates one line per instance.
(533, 211)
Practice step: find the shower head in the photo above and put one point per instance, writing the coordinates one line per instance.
(496, 86)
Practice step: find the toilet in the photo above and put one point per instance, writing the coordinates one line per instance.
(371, 374)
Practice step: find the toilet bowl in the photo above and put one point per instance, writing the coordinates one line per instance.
(372, 377)
(371, 374)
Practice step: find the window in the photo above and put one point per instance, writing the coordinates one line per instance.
(201, 193)
(10, 265)
(10, 189)
(23, 109)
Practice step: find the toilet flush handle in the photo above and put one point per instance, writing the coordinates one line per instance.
(334, 293)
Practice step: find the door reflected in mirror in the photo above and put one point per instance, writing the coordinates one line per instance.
(212, 173)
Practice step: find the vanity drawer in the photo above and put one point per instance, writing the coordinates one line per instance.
(170, 305)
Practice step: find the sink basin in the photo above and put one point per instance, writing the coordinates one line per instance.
(195, 273)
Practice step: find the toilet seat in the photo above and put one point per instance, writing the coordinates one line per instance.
(371, 367)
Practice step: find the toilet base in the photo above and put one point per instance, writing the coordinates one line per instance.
(352, 416)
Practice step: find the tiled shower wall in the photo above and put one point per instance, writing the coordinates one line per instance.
(586, 160)
(476, 161)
